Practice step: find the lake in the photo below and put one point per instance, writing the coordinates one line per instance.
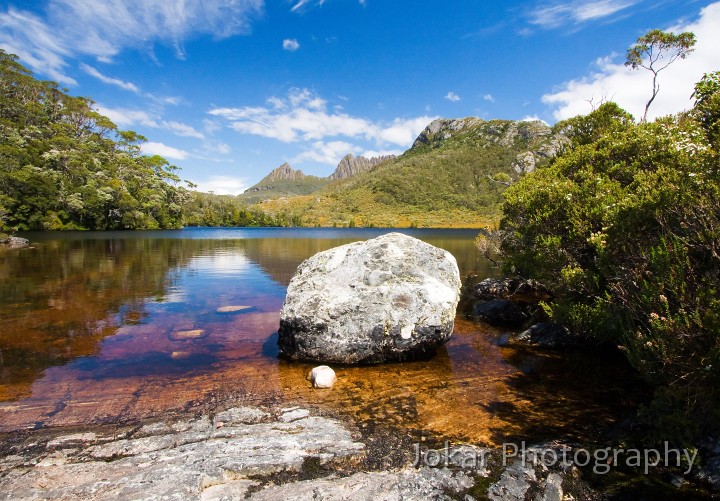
(94, 329)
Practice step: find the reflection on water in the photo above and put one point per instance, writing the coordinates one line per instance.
(106, 326)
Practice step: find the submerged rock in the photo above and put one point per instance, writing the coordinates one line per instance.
(391, 298)
(543, 335)
(187, 334)
(234, 309)
(322, 376)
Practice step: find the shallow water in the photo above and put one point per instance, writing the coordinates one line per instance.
(99, 327)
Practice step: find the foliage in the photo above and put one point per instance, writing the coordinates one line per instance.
(489, 243)
(625, 227)
(586, 129)
(64, 166)
(707, 106)
(206, 209)
(655, 51)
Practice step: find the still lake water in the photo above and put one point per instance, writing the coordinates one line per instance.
(89, 327)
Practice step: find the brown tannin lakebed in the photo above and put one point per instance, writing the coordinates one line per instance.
(114, 327)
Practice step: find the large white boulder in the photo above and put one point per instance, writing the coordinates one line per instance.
(392, 298)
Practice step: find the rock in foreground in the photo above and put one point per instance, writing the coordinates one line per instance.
(190, 459)
(392, 298)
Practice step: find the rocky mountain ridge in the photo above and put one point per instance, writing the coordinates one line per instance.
(538, 136)
(284, 181)
(455, 173)
(351, 166)
(282, 173)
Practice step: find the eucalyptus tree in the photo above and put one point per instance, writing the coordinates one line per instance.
(655, 51)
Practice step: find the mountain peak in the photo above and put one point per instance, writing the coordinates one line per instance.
(284, 172)
(351, 166)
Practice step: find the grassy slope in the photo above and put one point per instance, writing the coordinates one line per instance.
(453, 182)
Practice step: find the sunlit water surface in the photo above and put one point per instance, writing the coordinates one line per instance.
(101, 327)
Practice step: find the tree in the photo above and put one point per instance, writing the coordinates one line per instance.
(65, 166)
(655, 51)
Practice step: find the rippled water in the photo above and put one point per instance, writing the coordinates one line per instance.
(97, 327)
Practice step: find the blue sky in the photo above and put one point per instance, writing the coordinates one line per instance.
(230, 89)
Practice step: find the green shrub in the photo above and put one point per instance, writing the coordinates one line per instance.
(625, 227)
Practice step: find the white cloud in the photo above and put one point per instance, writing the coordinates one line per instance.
(631, 89)
(489, 98)
(290, 44)
(220, 148)
(151, 148)
(102, 29)
(211, 126)
(558, 14)
(402, 131)
(276, 103)
(181, 129)
(124, 117)
(300, 5)
(327, 153)
(36, 43)
(451, 96)
(303, 116)
(222, 185)
(533, 118)
(109, 80)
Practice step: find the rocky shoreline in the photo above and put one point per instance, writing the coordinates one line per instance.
(262, 454)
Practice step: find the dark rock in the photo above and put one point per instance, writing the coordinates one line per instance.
(543, 335)
(391, 298)
(531, 291)
(512, 288)
(710, 473)
(492, 288)
(500, 313)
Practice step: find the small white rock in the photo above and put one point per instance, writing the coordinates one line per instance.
(322, 376)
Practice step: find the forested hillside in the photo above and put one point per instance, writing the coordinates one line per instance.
(454, 175)
(64, 166)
